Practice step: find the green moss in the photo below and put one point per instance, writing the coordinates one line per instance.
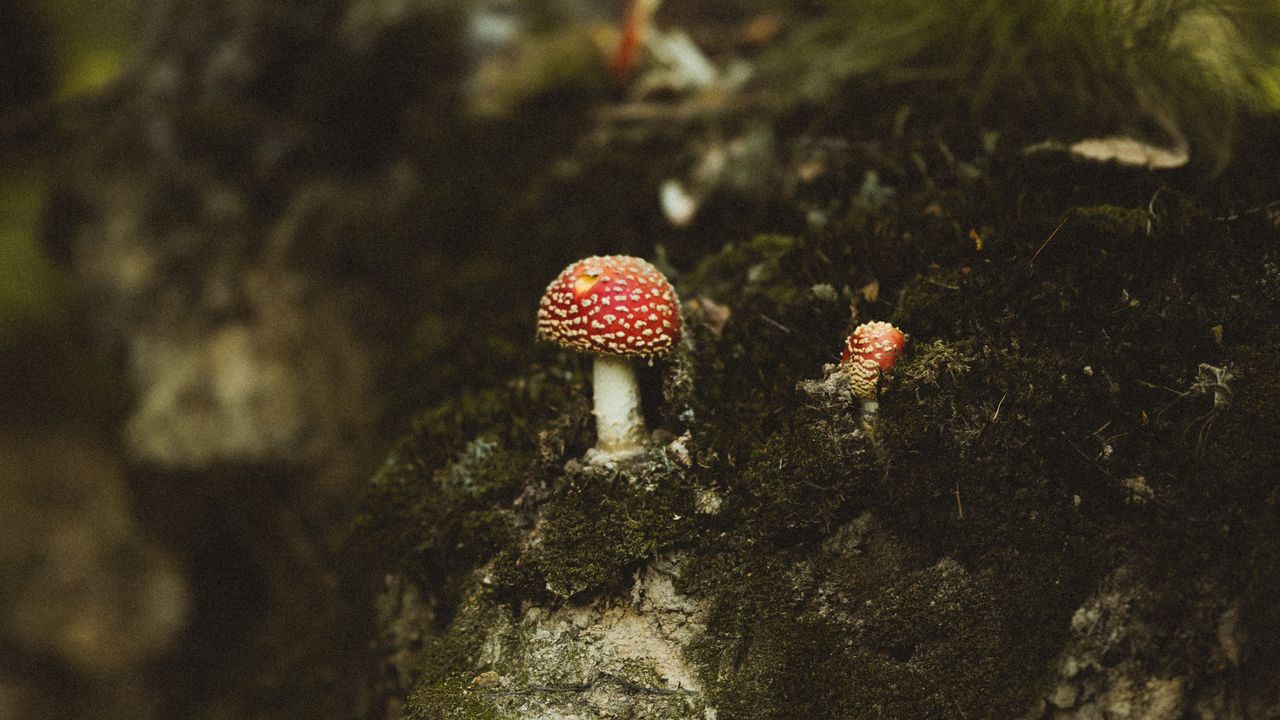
(32, 288)
(1109, 223)
(457, 649)
(804, 480)
(936, 299)
(758, 598)
(755, 268)
(455, 698)
(795, 637)
(936, 641)
(437, 519)
(600, 523)
(778, 332)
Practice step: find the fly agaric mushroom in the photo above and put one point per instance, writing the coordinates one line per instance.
(869, 353)
(617, 308)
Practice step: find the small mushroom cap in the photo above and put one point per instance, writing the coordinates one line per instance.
(612, 305)
(869, 353)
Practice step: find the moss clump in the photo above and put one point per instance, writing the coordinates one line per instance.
(804, 480)
(935, 640)
(754, 269)
(455, 698)
(793, 637)
(778, 332)
(441, 505)
(599, 524)
(1109, 223)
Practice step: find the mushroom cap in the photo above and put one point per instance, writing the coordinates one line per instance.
(611, 305)
(869, 353)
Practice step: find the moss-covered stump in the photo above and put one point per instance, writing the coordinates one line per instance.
(1064, 508)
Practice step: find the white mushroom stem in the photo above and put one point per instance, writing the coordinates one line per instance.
(619, 420)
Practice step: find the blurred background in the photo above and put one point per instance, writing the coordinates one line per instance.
(243, 242)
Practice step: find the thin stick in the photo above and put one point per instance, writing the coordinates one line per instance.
(1048, 240)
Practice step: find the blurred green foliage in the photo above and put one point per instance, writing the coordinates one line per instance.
(88, 42)
(30, 287)
(1062, 68)
(49, 50)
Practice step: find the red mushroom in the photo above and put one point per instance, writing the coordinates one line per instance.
(869, 353)
(617, 308)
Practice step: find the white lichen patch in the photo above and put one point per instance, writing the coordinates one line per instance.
(610, 658)
(469, 463)
(832, 389)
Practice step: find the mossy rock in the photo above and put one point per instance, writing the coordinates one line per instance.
(1076, 397)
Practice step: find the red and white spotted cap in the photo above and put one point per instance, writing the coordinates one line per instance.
(612, 305)
(869, 353)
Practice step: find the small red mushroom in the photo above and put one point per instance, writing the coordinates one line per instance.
(869, 353)
(617, 308)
